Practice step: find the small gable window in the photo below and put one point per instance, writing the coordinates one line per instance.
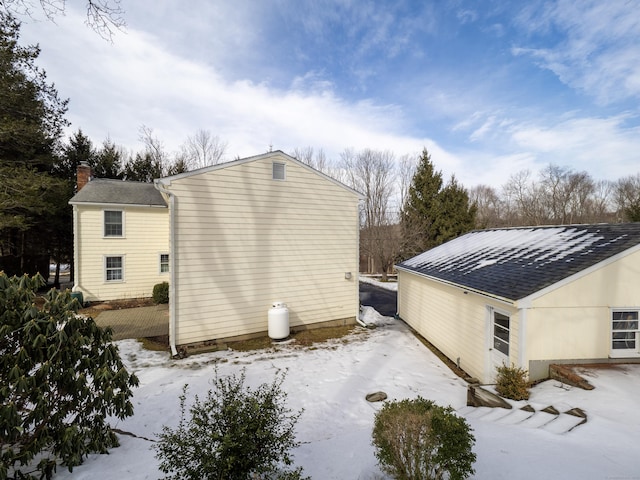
(279, 171)
(113, 225)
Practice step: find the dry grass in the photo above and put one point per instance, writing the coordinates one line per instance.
(95, 308)
(303, 338)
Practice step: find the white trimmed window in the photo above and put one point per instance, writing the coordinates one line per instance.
(164, 263)
(113, 223)
(114, 268)
(279, 171)
(625, 333)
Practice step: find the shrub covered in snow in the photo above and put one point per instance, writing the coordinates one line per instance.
(419, 440)
(235, 433)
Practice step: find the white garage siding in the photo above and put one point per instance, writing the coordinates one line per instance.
(454, 322)
(244, 240)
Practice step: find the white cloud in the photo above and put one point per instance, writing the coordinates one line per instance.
(598, 50)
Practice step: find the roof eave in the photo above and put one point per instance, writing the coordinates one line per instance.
(166, 181)
(464, 288)
(112, 204)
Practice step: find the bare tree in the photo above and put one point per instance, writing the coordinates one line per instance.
(202, 149)
(406, 168)
(315, 159)
(489, 213)
(103, 16)
(522, 199)
(601, 202)
(627, 198)
(373, 173)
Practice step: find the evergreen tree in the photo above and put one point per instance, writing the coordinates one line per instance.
(144, 168)
(60, 228)
(79, 149)
(458, 217)
(433, 213)
(108, 162)
(31, 123)
(61, 378)
(422, 207)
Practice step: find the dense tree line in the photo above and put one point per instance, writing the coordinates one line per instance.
(557, 196)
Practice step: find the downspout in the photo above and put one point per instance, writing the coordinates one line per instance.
(76, 251)
(172, 267)
(360, 322)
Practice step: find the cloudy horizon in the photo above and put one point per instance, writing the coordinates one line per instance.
(489, 89)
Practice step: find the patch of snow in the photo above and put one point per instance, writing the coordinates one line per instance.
(330, 382)
(393, 286)
(479, 248)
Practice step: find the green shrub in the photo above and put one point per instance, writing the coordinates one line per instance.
(235, 433)
(512, 382)
(161, 292)
(60, 379)
(418, 440)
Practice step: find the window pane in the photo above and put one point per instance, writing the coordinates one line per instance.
(625, 315)
(113, 268)
(278, 171)
(114, 262)
(164, 263)
(501, 320)
(112, 223)
(501, 333)
(620, 325)
(501, 346)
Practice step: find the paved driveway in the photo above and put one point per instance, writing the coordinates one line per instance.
(384, 301)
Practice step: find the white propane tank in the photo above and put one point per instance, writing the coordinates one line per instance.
(278, 321)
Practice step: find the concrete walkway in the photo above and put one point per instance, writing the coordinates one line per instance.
(137, 322)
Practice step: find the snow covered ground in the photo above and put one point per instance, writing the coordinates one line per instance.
(330, 381)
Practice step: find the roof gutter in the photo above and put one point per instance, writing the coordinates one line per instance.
(172, 266)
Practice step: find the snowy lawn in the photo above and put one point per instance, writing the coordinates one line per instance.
(330, 382)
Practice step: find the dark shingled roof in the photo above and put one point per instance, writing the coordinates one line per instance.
(513, 263)
(105, 191)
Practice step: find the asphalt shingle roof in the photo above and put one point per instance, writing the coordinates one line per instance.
(109, 191)
(514, 263)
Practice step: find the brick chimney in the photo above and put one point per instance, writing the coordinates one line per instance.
(84, 175)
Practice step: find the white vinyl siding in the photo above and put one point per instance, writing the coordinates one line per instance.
(244, 241)
(454, 322)
(575, 321)
(147, 233)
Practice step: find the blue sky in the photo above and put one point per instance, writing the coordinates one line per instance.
(489, 87)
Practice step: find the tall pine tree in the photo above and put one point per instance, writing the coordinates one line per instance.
(433, 213)
(31, 123)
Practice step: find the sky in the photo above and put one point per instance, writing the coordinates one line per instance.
(330, 381)
(490, 88)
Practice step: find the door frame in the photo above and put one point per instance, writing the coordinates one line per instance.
(489, 370)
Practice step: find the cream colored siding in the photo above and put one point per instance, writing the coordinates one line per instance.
(146, 236)
(573, 321)
(244, 240)
(454, 322)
